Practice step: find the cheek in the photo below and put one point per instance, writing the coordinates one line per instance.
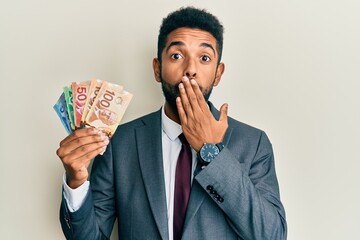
(207, 80)
(171, 73)
(206, 74)
(210, 70)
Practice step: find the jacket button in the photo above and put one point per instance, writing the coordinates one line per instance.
(67, 220)
(209, 187)
(213, 192)
(220, 199)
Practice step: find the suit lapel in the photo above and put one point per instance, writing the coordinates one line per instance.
(197, 193)
(149, 144)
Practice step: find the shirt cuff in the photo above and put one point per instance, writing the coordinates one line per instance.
(75, 197)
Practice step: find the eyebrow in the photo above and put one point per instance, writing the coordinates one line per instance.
(179, 43)
(175, 43)
(208, 45)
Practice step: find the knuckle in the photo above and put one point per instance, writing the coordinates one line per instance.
(76, 133)
(187, 106)
(66, 160)
(58, 152)
(79, 141)
(193, 98)
(83, 148)
(73, 165)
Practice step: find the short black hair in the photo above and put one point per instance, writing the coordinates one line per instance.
(194, 18)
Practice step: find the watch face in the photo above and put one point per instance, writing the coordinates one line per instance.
(208, 152)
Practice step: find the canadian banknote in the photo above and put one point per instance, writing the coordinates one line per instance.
(61, 110)
(96, 103)
(69, 105)
(79, 94)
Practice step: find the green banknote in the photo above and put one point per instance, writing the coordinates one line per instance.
(69, 105)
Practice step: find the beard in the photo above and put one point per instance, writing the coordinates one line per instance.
(171, 92)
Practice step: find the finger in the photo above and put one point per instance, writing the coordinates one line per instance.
(181, 111)
(200, 97)
(79, 140)
(191, 94)
(185, 101)
(79, 133)
(85, 149)
(224, 112)
(83, 154)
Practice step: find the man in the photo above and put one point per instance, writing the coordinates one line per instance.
(234, 191)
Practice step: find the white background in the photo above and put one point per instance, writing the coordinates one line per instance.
(292, 69)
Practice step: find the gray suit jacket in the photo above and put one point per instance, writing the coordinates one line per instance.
(127, 183)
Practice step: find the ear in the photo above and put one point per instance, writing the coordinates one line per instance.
(219, 72)
(156, 69)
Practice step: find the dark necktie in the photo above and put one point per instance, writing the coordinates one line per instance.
(182, 186)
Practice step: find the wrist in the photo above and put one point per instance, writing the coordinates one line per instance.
(208, 152)
(74, 183)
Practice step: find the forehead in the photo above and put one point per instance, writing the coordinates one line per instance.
(190, 36)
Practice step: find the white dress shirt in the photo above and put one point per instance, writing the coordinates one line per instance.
(171, 146)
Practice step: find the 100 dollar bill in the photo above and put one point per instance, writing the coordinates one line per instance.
(108, 108)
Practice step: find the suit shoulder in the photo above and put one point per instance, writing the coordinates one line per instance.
(243, 126)
(248, 138)
(247, 131)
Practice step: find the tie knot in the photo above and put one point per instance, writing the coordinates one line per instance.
(183, 139)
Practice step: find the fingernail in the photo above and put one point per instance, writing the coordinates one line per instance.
(106, 140)
(181, 85)
(193, 82)
(185, 79)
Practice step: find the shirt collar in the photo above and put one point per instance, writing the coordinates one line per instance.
(170, 128)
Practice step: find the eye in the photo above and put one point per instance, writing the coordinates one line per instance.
(205, 58)
(176, 56)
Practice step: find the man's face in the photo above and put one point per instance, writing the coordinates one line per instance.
(192, 53)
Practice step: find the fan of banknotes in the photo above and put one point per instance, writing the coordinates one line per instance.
(95, 103)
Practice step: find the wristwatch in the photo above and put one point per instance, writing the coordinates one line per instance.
(208, 152)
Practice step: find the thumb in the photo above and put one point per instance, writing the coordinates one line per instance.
(224, 112)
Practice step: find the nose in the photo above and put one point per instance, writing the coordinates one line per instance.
(191, 75)
(190, 69)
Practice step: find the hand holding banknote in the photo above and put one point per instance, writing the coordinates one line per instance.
(77, 150)
(90, 112)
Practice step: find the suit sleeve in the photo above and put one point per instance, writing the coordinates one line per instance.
(247, 191)
(95, 218)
